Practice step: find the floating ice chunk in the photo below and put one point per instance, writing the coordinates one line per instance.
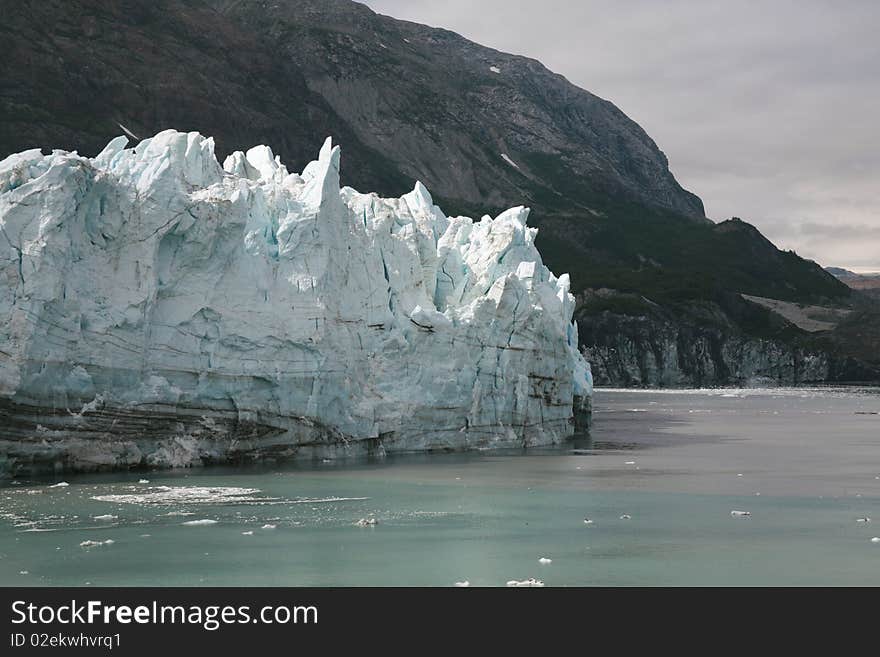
(248, 533)
(865, 519)
(199, 523)
(545, 561)
(530, 582)
(367, 522)
(739, 474)
(495, 69)
(143, 481)
(629, 463)
(104, 518)
(168, 495)
(626, 516)
(23, 572)
(268, 526)
(88, 544)
(463, 584)
(587, 521)
(740, 514)
(876, 539)
(60, 484)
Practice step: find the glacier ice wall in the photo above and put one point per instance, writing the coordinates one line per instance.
(158, 309)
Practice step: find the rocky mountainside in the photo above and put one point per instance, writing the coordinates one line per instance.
(869, 284)
(484, 130)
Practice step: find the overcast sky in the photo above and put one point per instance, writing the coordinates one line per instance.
(769, 111)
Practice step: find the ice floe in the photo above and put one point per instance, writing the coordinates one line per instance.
(530, 582)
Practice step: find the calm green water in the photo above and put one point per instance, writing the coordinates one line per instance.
(804, 463)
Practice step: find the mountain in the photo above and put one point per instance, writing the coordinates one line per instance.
(867, 283)
(665, 296)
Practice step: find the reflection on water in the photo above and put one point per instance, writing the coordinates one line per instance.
(657, 481)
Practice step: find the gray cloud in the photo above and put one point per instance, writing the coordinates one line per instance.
(769, 111)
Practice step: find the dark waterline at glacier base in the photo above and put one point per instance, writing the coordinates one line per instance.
(804, 462)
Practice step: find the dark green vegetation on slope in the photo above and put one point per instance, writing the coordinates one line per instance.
(410, 102)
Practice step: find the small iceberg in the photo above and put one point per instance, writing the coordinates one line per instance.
(876, 539)
(530, 582)
(199, 523)
(544, 561)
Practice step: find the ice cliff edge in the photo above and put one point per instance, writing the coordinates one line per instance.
(157, 309)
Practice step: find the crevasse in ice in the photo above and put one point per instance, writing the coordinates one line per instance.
(159, 309)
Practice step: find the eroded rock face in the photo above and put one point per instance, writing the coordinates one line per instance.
(159, 309)
(638, 351)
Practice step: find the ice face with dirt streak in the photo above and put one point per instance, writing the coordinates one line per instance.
(159, 309)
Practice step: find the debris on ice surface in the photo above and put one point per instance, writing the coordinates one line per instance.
(249, 298)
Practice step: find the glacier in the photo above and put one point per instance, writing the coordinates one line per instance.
(158, 309)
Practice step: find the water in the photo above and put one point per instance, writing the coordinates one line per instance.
(804, 462)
